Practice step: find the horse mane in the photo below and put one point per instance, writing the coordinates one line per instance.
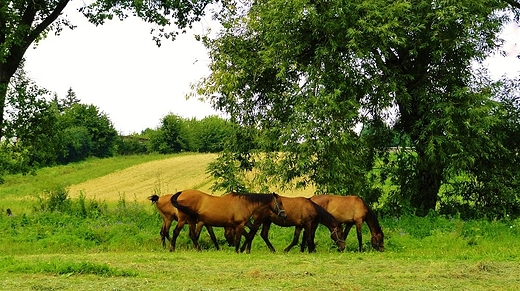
(323, 215)
(154, 198)
(255, 197)
(181, 207)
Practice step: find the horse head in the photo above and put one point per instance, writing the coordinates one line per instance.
(229, 234)
(278, 206)
(337, 236)
(378, 241)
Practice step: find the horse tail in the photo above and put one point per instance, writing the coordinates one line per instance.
(154, 198)
(182, 208)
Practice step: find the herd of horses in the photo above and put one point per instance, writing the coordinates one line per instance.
(236, 211)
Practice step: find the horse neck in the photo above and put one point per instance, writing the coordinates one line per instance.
(325, 217)
(257, 203)
(372, 222)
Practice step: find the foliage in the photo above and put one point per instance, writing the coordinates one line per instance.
(100, 133)
(31, 129)
(41, 133)
(211, 134)
(131, 145)
(77, 145)
(489, 187)
(171, 137)
(23, 23)
(226, 172)
(308, 74)
(178, 134)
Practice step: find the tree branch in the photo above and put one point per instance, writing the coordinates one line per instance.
(513, 3)
(47, 21)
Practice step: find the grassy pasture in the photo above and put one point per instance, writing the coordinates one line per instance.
(107, 238)
(224, 270)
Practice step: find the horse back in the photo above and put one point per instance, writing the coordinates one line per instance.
(224, 210)
(345, 209)
(299, 210)
(166, 208)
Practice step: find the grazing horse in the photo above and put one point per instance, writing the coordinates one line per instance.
(352, 210)
(231, 210)
(170, 213)
(302, 213)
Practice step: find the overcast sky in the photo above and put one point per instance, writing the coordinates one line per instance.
(118, 68)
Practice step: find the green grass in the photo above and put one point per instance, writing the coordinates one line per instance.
(58, 243)
(119, 249)
(225, 270)
(50, 178)
(19, 189)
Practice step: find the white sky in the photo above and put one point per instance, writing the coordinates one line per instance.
(118, 68)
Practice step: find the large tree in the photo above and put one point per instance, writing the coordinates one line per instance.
(308, 72)
(24, 22)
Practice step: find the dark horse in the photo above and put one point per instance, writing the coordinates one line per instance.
(231, 210)
(352, 210)
(170, 213)
(301, 213)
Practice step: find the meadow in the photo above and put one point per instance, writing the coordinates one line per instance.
(89, 226)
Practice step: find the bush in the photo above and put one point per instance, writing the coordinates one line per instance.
(58, 200)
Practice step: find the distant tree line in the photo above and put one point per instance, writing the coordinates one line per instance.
(43, 130)
(176, 134)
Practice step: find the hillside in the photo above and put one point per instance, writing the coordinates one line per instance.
(157, 177)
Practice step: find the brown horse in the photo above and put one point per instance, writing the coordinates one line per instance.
(302, 213)
(170, 213)
(352, 210)
(231, 210)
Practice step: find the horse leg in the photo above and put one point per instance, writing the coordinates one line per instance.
(195, 229)
(229, 234)
(265, 235)
(359, 236)
(253, 229)
(310, 238)
(239, 229)
(163, 235)
(296, 237)
(247, 236)
(165, 232)
(212, 236)
(348, 226)
(175, 234)
(247, 239)
(304, 242)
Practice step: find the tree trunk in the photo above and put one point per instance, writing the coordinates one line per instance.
(3, 95)
(24, 38)
(429, 177)
(7, 70)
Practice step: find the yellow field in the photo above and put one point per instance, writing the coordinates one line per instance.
(157, 177)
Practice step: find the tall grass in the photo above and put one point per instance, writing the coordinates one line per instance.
(61, 224)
